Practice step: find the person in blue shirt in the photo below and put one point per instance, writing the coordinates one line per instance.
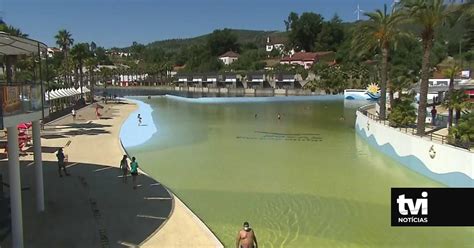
(134, 171)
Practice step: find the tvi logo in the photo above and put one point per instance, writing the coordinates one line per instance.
(413, 206)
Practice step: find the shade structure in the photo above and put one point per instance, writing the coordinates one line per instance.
(13, 45)
(62, 93)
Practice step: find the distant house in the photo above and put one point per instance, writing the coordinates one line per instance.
(305, 59)
(183, 80)
(276, 42)
(117, 53)
(52, 51)
(197, 80)
(229, 57)
(286, 81)
(228, 80)
(256, 80)
(210, 80)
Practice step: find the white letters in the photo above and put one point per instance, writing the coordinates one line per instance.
(414, 207)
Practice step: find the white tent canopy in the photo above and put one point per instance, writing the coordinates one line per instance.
(67, 92)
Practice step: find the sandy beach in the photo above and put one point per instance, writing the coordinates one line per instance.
(95, 207)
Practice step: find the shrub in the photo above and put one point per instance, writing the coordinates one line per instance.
(403, 113)
(464, 130)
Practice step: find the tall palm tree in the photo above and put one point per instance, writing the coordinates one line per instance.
(64, 40)
(429, 14)
(451, 72)
(10, 60)
(457, 100)
(80, 52)
(379, 32)
(91, 64)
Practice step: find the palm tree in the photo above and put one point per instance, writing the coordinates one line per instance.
(10, 60)
(80, 52)
(91, 65)
(451, 72)
(457, 100)
(64, 40)
(429, 14)
(379, 32)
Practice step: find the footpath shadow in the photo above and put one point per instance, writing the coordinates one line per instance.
(91, 208)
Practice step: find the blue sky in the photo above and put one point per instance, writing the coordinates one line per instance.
(120, 22)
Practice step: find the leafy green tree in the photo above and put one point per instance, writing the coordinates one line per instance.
(331, 35)
(292, 17)
(332, 79)
(304, 30)
(137, 50)
(379, 32)
(429, 15)
(102, 57)
(464, 131)
(221, 41)
(249, 60)
(64, 40)
(403, 113)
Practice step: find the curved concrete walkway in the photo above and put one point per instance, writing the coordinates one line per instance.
(108, 213)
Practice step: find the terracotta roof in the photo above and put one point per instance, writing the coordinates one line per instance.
(277, 40)
(301, 56)
(230, 54)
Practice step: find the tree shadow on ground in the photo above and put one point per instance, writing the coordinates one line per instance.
(44, 149)
(91, 208)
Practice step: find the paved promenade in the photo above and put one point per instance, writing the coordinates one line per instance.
(92, 207)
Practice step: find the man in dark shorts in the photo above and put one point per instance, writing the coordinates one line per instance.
(61, 165)
(246, 237)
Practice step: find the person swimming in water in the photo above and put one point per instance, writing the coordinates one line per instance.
(246, 237)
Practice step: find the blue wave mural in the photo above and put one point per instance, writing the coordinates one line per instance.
(451, 179)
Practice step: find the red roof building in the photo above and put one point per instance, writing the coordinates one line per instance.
(305, 59)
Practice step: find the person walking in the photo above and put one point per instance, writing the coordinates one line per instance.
(73, 113)
(139, 120)
(61, 164)
(246, 237)
(134, 171)
(124, 168)
(433, 115)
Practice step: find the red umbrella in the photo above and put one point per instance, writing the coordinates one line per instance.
(23, 126)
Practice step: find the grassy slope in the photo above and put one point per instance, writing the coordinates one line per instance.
(243, 36)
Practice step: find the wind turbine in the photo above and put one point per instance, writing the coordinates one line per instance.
(358, 11)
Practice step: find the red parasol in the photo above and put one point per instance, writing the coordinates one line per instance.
(22, 126)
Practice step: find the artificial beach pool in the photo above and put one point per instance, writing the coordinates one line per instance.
(306, 180)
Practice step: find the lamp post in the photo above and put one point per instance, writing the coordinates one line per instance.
(40, 74)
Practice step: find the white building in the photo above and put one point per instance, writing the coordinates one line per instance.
(275, 43)
(229, 57)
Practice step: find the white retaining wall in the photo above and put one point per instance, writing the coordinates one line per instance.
(438, 158)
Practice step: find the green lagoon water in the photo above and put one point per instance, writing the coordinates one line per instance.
(306, 180)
